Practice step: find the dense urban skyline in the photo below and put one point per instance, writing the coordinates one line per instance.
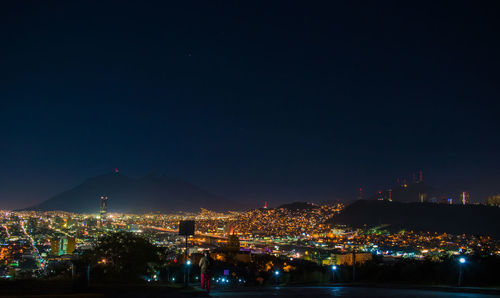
(283, 102)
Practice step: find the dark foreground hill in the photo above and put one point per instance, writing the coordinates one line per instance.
(152, 193)
(456, 219)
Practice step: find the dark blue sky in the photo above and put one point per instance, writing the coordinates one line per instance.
(259, 101)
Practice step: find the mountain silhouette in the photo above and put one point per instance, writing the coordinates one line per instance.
(431, 217)
(151, 193)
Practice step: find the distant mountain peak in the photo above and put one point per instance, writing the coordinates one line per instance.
(150, 193)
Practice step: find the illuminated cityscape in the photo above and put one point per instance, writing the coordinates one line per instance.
(34, 243)
(243, 148)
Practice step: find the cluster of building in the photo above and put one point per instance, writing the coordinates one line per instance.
(35, 244)
(287, 221)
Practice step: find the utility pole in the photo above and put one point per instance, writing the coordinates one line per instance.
(186, 228)
(186, 274)
(334, 270)
(353, 264)
(461, 263)
(460, 275)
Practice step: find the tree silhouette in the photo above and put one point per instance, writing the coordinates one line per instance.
(123, 256)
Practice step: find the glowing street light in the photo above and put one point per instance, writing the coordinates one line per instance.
(334, 269)
(461, 262)
(188, 266)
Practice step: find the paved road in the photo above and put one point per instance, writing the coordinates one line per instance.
(340, 292)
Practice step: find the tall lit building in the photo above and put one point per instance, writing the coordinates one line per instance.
(104, 209)
(493, 200)
(70, 245)
(62, 246)
(422, 197)
(465, 198)
(54, 247)
(233, 244)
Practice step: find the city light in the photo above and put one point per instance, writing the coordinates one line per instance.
(290, 236)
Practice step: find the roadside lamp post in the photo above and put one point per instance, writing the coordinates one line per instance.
(461, 262)
(334, 269)
(188, 265)
(277, 276)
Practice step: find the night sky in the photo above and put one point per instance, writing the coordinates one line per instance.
(258, 101)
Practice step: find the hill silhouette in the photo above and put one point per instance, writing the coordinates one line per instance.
(152, 193)
(455, 219)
